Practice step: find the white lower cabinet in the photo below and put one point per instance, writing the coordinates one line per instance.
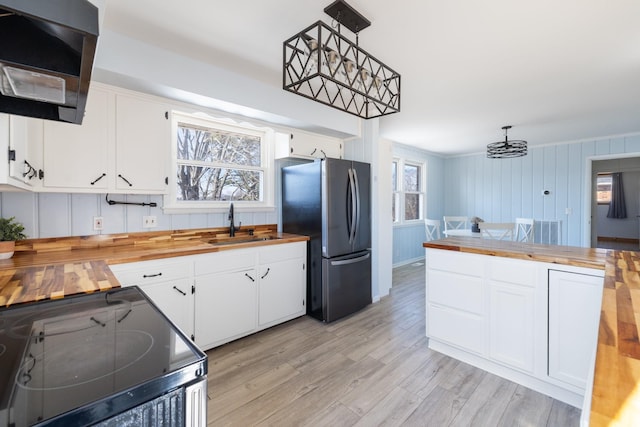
(168, 283)
(574, 301)
(531, 322)
(280, 273)
(221, 296)
(243, 291)
(511, 325)
(225, 306)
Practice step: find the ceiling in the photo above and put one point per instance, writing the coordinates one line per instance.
(556, 70)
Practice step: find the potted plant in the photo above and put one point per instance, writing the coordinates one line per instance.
(475, 221)
(10, 231)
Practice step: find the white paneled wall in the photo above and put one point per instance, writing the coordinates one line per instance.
(408, 239)
(63, 214)
(499, 190)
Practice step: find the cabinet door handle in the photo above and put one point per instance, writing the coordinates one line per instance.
(146, 276)
(179, 290)
(324, 155)
(265, 274)
(251, 278)
(313, 152)
(98, 178)
(125, 180)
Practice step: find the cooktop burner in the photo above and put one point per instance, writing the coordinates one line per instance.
(77, 363)
(79, 360)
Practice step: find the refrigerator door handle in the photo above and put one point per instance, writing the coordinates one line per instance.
(351, 260)
(357, 211)
(352, 210)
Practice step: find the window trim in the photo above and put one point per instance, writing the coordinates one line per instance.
(603, 174)
(400, 192)
(267, 145)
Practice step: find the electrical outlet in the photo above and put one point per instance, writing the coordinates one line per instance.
(149, 221)
(97, 223)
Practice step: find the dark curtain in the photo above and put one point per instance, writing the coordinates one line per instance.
(617, 207)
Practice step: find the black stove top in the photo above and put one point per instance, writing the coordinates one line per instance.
(82, 359)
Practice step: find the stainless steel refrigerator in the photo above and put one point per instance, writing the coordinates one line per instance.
(329, 201)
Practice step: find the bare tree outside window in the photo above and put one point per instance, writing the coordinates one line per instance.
(218, 165)
(411, 181)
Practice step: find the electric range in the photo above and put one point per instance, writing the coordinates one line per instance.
(109, 357)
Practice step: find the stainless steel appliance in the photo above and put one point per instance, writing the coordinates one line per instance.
(328, 200)
(109, 358)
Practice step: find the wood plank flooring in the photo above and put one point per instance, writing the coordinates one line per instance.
(371, 369)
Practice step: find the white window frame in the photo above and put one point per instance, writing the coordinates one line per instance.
(267, 135)
(396, 194)
(400, 193)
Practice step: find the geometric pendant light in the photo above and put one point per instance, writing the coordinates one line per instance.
(321, 64)
(506, 149)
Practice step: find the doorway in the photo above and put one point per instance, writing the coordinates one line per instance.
(614, 233)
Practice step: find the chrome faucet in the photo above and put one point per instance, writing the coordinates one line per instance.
(232, 227)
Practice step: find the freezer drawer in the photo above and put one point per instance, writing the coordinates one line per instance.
(346, 285)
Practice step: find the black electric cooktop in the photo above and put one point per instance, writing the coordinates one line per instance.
(82, 359)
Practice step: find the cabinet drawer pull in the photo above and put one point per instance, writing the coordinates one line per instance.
(251, 278)
(125, 180)
(98, 179)
(146, 276)
(179, 290)
(265, 274)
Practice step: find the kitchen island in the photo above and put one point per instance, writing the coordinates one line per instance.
(551, 306)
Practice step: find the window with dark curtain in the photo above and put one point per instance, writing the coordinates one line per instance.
(617, 207)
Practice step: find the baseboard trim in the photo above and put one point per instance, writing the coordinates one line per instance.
(408, 261)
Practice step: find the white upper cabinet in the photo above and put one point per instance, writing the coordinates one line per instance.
(21, 140)
(143, 137)
(122, 146)
(308, 146)
(76, 156)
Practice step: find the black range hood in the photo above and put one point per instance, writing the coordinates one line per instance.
(47, 49)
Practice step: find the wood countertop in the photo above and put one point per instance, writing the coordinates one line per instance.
(57, 267)
(615, 398)
(566, 255)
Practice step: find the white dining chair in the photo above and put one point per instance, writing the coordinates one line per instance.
(455, 223)
(524, 230)
(432, 227)
(497, 230)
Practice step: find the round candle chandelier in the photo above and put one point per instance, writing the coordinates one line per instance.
(507, 149)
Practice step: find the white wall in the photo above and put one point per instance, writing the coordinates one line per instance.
(63, 214)
(502, 189)
(408, 239)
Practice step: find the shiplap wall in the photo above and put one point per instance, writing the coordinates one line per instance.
(408, 239)
(63, 214)
(501, 190)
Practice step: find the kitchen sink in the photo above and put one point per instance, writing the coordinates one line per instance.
(240, 240)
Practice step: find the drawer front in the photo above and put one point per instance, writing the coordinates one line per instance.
(235, 259)
(456, 262)
(282, 252)
(510, 271)
(456, 328)
(455, 290)
(140, 273)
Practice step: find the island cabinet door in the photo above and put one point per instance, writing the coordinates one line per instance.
(574, 314)
(511, 312)
(511, 333)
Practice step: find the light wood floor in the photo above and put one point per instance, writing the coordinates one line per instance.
(372, 368)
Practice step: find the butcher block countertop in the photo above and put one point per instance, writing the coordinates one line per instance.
(566, 255)
(57, 267)
(615, 400)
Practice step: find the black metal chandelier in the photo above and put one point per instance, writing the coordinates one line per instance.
(323, 65)
(506, 149)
